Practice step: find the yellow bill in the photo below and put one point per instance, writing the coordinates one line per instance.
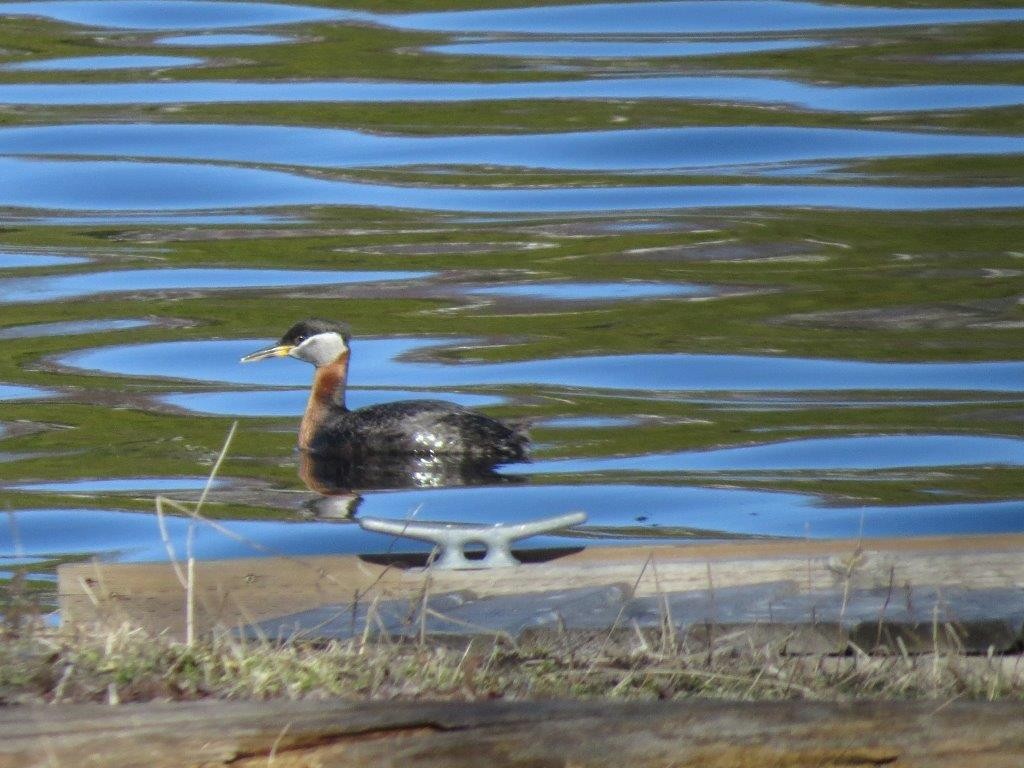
(278, 350)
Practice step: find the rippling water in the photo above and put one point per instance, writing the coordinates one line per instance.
(746, 268)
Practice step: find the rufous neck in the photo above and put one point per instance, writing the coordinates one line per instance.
(329, 382)
(327, 395)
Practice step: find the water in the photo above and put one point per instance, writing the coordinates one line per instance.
(77, 285)
(751, 91)
(582, 49)
(129, 186)
(682, 150)
(133, 485)
(685, 17)
(745, 268)
(13, 260)
(591, 291)
(836, 453)
(167, 14)
(240, 38)
(291, 402)
(100, 63)
(396, 361)
(70, 328)
(10, 392)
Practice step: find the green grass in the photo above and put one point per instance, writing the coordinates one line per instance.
(121, 664)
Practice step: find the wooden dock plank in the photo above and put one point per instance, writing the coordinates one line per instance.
(538, 733)
(244, 591)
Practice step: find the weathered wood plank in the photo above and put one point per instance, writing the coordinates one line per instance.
(561, 733)
(781, 616)
(236, 592)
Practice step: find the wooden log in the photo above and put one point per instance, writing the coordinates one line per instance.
(543, 733)
(240, 592)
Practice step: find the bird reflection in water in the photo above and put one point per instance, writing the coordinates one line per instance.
(339, 479)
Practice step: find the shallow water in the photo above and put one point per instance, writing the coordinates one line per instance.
(743, 91)
(584, 49)
(678, 149)
(743, 268)
(70, 328)
(592, 291)
(226, 39)
(684, 17)
(855, 453)
(9, 260)
(396, 361)
(168, 14)
(15, 392)
(709, 16)
(101, 63)
(126, 186)
(134, 280)
(291, 402)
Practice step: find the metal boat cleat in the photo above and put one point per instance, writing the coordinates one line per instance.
(453, 538)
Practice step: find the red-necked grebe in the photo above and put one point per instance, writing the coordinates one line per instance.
(406, 427)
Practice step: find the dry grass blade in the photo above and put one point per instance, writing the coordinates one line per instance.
(168, 542)
(618, 618)
(216, 466)
(103, 663)
(187, 578)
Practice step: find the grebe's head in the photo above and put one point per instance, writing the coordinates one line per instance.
(320, 342)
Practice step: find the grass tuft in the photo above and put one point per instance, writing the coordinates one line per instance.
(94, 663)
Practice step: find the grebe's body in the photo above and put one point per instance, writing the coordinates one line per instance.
(407, 427)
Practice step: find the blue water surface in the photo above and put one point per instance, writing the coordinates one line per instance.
(503, 202)
(601, 49)
(750, 90)
(191, 279)
(102, 63)
(135, 537)
(125, 186)
(223, 39)
(386, 362)
(691, 18)
(168, 14)
(876, 452)
(29, 260)
(637, 149)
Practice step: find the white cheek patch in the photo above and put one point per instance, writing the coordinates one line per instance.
(321, 349)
